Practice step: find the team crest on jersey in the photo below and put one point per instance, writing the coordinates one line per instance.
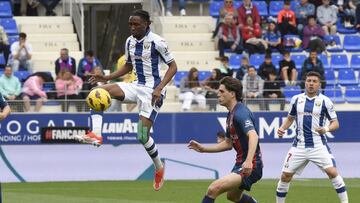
(146, 45)
(318, 104)
(248, 123)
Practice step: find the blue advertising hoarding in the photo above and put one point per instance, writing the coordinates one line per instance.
(169, 127)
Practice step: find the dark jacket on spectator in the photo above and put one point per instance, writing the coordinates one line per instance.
(70, 64)
(265, 70)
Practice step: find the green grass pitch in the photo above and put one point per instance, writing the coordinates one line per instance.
(301, 191)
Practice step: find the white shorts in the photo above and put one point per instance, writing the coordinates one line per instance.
(297, 158)
(142, 95)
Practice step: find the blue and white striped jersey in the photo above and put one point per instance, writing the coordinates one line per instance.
(311, 113)
(146, 56)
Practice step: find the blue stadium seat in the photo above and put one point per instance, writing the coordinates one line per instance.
(347, 77)
(235, 61)
(298, 60)
(262, 7)
(330, 77)
(178, 76)
(294, 4)
(343, 30)
(22, 75)
(290, 91)
(276, 58)
(335, 94)
(339, 61)
(355, 61)
(9, 25)
(13, 39)
(5, 9)
(237, 4)
(215, 7)
(352, 43)
(336, 38)
(204, 74)
(2, 59)
(324, 60)
(352, 94)
(275, 7)
(256, 60)
(49, 86)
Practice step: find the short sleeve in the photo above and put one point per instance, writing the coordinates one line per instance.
(127, 52)
(330, 110)
(163, 49)
(29, 48)
(244, 121)
(293, 106)
(3, 102)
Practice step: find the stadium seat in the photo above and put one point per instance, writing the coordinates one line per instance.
(5, 9)
(262, 7)
(352, 43)
(335, 94)
(204, 74)
(352, 94)
(276, 58)
(13, 39)
(330, 77)
(237, 4)
(22, 75)
(339, 61)
(275, 7)
(355, 61)
(214, 8)
(343, 30)
(290, 91)
(298, 60)
(256, 60)
(347, 77)
(2, 59)
(235, 61)
(324, 60)
(336, 39)
(178, 76)
(9, 26)
(294, 4)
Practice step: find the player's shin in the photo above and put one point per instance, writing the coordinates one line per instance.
(340, 188)
(96, 122)
(281, 191)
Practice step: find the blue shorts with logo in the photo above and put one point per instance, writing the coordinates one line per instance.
(247, 181)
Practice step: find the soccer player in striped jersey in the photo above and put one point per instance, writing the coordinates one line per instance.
(241, 134)
(310, 110)
(145, 51)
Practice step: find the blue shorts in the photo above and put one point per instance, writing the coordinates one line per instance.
(34, 97)
(247, 181)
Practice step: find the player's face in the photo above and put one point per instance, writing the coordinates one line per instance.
(312, 84)
(224, 96)
(137, 26)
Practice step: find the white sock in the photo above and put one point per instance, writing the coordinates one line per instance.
(281, 191)
(96, 122)
(152, 150)
(340, 188)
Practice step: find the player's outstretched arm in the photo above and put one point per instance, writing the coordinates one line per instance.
(286, 124)
(127, 67)
(219, 147)
(171, 71)
(5, 112)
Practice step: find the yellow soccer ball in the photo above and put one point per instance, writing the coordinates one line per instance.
(98, 99)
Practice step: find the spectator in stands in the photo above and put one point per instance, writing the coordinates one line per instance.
(211, 85)
(10, 88)
(229, 36)
(248, 8)
(49, 6)
(21, 54)
(4, 44)
(224, 68)
(228, 8)
(347, 10)
(313, 36)
(302, 12)
(87, 64)
(313, 63)
(33, 90)
(65, 62)
(169, 5)
(67, 88)
(243, 68)
(251, 33)
(190, 90)
(327, 17)
(266, 67)
(286, 20)
(24, 4)
(273, 38)
(272, 91)
(253, 87)
(88, 86)
(288, 72)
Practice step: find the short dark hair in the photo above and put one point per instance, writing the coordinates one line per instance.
(224, 58)
(89, 53)
(22, 35)
(268, 56)
(220, 134)
(233, 85)
(142, 14)
(313, 73)
(287, 2)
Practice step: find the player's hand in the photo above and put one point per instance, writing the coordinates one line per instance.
(156, 95)
(281, 132)
(320, 130)
(195, 146)
(247, 168)
(97, 77)
(2, 116)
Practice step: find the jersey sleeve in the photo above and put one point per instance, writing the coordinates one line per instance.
(244, 121)
(3, 102)
(127, 48)
(330, 110)
(163, 49)
(293, 103)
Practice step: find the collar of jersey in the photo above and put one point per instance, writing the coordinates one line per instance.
(142, 39)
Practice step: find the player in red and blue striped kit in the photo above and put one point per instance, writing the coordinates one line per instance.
(241, 135)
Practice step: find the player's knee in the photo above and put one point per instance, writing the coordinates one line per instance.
(331, 172)
(233, 198)
(214, 190)
(286, 177)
